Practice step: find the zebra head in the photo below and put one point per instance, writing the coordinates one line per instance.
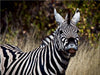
(66, 35)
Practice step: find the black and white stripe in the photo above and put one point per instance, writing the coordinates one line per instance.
(35, 62)
(47, 40)
(50, 58)
(8, 46)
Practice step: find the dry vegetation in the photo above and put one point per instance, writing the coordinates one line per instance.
(26, 43)
(86, 61)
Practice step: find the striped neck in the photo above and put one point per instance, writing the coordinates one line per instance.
(47, 40)
(56, 58)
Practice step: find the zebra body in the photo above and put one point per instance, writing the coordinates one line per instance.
(30, 63)
(50, 58)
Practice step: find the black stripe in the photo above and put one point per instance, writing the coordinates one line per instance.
(52, 60)
(6, 57)
(36, 66)
(25, 65)
(19, 66)
(32, 61)
(22, 69)
(13, 53)
(64, 58)
(11, 46)
(41, 66)
(49, 37)
(63, 40)
(46, 40)
(17, 62)
(48, 63)
(61, 64)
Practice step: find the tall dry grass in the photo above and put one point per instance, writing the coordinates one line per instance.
(86, 61)
(26, 42)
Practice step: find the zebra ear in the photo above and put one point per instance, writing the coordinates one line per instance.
(76, 17)
(58, 17)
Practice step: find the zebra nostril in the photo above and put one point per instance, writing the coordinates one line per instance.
(71, 45)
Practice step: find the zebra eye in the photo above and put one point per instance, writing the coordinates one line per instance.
(61, 31)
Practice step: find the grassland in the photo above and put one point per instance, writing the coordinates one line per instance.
(86, 61)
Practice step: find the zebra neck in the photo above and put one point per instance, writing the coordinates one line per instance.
(47, 40)
(57, 59)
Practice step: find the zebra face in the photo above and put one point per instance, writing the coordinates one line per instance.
(68, 37)
(67, 33)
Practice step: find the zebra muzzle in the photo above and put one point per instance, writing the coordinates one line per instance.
(72, 51)
(72, 48)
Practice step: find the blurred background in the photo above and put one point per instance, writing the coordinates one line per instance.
(26, 23)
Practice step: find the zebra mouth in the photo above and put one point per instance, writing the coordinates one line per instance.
(72, 50)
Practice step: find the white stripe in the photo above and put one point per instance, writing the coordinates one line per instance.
(19, 72)
(10, 57)
(28, 63)
(63, 61)
(63, 39)
(58, 65)
(50, 54)
(34, 72)
(26, 66)
(45, 42)
(45, 61)
(13, 73)
(58, 56)
(48, 40)
(3, 60)
(51, 73)
(17, 54)
(51, 36)
(65, 43)
(77, 38)
(38, 64)
(42, 57)
(35, 61)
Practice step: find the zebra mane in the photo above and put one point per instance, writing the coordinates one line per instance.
(47, 40)
(68, 18)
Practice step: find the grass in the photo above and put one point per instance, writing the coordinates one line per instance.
(86, 61)
(26, 42)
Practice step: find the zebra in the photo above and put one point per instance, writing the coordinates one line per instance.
(51, 57)
(8, 46)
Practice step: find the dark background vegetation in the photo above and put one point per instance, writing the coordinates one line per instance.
(21, 19)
